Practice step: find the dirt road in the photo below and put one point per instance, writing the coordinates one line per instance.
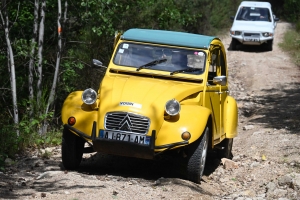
(266, 152)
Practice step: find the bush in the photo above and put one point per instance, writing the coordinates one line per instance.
(291, 44)
(298, 26)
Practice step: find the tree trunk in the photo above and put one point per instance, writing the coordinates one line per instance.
(32, 52)
(58, 57)
(40, 56)
(11, 62)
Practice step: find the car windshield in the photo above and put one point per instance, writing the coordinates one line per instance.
(254, 14)
(160, 58)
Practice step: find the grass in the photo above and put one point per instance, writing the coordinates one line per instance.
(291, 43)
(10, 145)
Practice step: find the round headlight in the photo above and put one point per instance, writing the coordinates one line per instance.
(89, 96)
(172, 107)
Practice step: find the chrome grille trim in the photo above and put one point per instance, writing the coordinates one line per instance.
(252, 34)
(126, 122)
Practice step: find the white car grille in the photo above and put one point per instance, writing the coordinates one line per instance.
(252, 34)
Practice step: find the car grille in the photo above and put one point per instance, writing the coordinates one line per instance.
(127, 122)
(252, 34)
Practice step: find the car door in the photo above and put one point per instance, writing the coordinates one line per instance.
(217, 93)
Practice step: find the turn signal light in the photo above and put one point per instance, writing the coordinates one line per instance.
(71, 121)
(186, 135)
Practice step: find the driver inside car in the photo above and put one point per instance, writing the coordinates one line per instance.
(264, 15)
(179, 60)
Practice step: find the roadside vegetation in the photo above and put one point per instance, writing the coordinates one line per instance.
(291, 43)
(47, 47)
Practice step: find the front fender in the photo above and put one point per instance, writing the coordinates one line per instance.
(230, 117)
(84, 114)
(192, 118)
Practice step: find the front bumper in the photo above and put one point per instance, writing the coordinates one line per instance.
(115, 147)
(251, 39)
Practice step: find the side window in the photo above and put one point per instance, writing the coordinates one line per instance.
(217, 66)
(212, 72)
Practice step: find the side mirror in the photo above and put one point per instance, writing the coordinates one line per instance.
(97, 63)
(220, 80)
(276, 19)
(232, 17)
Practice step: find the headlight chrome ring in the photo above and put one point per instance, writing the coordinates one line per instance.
(172, 107)
(89, 96)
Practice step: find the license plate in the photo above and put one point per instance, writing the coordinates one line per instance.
(251, 39)
(126, 137)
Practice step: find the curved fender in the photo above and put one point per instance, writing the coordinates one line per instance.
(230, 117)
(192, 118)
(84, 114)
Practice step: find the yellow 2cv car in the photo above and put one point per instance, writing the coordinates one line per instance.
(162, 91)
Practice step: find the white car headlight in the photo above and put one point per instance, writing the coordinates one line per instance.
(266, 34)
(235, 32)
(89, 96)
(172, 107)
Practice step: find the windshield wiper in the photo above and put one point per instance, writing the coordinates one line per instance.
(152, 63)
(185, 70)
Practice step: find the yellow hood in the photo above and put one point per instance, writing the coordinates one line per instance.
(141, 95)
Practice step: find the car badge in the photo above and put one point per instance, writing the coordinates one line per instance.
(125, 124)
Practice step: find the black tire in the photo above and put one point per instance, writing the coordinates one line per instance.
(197, 157)
(269, 45)
(225, 150)
(233, 44)
(71, 150)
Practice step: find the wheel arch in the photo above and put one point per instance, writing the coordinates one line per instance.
(230, 117)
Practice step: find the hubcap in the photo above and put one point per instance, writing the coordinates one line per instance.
(203, 156)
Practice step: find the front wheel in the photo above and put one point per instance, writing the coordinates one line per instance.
(269, 45)
(71, 150)
(197, 157)
(233, 44)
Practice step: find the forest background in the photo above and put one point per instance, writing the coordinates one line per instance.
(47, 47)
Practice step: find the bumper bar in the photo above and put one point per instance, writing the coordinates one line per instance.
(121, 148)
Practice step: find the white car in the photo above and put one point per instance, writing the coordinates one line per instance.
(253, 24)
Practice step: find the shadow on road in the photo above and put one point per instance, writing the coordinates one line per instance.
(167, 166)
(250, 48)
(279, 108)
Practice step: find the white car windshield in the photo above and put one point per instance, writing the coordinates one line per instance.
(153, 57)
(254, 14)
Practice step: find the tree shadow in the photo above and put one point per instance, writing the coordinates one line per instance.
(279, 108)
(170, 167)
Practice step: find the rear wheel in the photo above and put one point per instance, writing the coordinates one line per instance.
(71, 150)
(197, 157)
(225, 150)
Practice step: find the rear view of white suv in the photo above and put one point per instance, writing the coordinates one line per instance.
(253, 24)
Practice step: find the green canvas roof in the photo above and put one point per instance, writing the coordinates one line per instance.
(168, 37)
